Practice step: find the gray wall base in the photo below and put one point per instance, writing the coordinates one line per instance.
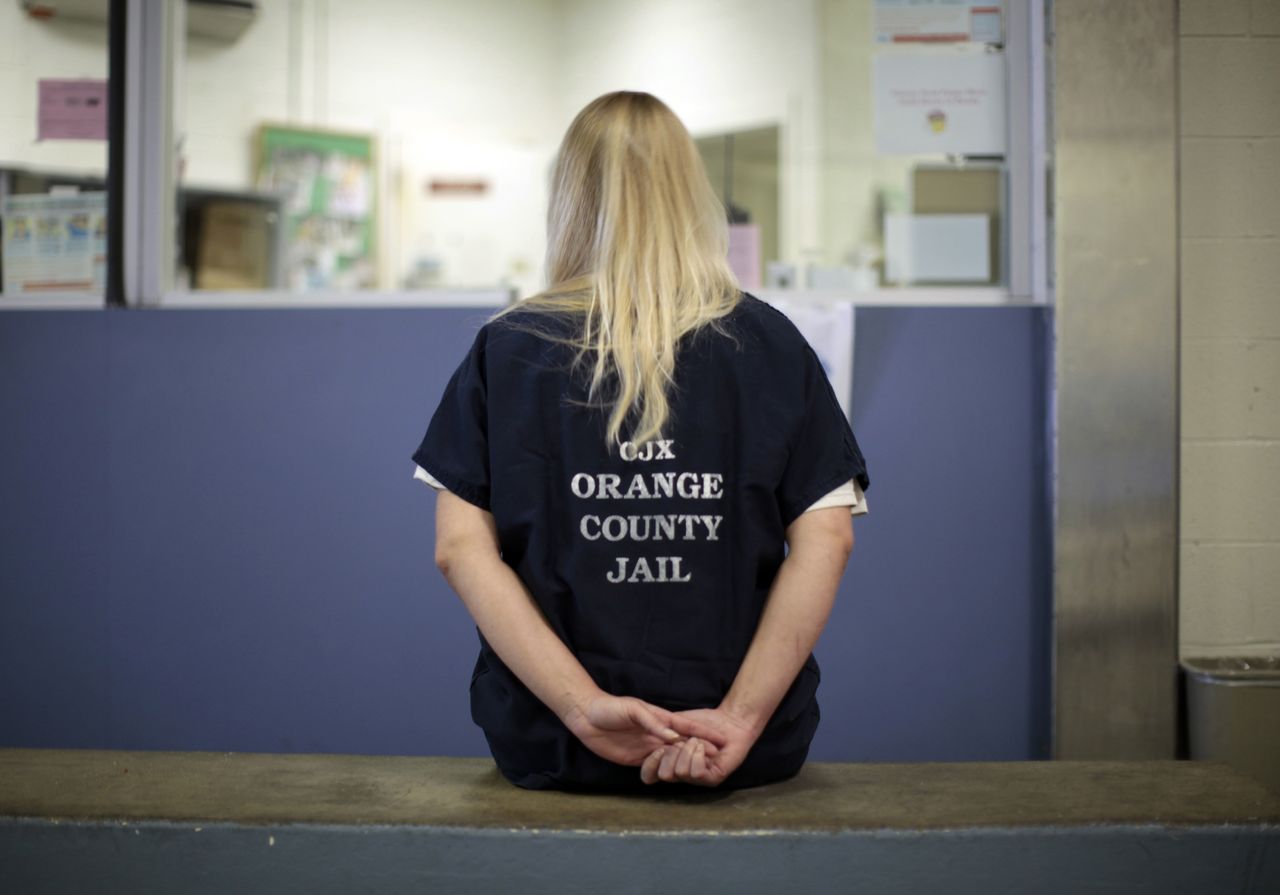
(40, 855)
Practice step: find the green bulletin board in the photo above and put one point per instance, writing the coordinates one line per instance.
(329, 183)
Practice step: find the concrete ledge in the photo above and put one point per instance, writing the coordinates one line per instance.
(201, 822)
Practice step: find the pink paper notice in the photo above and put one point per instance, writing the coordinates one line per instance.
(744, 254)
(72, 109)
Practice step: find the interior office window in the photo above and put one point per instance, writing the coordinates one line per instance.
(350, 147)
(406, 144)
(53, 150)
(883, 160)
(915, 122)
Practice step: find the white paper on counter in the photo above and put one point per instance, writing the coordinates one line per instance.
(828, 328)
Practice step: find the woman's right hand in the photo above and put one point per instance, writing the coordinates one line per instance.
(692, 761)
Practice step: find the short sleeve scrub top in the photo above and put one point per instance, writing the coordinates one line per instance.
(652, 562)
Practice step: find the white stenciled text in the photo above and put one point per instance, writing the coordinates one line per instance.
(658, 527)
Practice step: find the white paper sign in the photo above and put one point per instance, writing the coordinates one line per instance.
(937, 21)
(948, 102)
(828, 328)
(54, 243)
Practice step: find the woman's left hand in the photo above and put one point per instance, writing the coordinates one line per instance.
(625, 730)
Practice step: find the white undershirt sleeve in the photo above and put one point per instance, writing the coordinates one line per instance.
(423, 476)
(847, 495)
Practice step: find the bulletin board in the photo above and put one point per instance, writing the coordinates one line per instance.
(328, 181)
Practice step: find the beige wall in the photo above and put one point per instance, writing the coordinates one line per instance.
(1230, 223)
(853, 172)
(722, 67)
(30, 50)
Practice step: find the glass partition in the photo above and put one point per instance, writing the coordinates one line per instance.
(400, 145)
(53, 154)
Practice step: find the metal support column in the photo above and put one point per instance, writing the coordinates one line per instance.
(1116, 457)
(150, 158)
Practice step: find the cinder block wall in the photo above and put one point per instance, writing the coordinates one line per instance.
(1230, 217)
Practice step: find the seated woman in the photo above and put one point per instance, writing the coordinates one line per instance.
(646, 486)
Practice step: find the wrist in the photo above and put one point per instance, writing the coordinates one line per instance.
(744, 714)
(572, 709)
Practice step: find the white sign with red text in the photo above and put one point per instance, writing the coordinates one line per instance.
(949, 102)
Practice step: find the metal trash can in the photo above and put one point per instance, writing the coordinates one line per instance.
(1233, 713)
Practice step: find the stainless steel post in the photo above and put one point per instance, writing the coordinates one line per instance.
(1116, 458)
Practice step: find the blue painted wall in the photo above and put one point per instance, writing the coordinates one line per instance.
(209, 537)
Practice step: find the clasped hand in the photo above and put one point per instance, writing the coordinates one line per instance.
(700, 759)
(700, 746)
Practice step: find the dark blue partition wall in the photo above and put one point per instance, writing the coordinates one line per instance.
(210, 539)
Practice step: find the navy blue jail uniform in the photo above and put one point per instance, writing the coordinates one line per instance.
(651, 562)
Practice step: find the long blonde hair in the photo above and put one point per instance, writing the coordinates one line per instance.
(637, 246)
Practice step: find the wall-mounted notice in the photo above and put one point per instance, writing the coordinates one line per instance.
(54, 243)
(938, 21)
(329, 180)
(72, 109)
(939, 102)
